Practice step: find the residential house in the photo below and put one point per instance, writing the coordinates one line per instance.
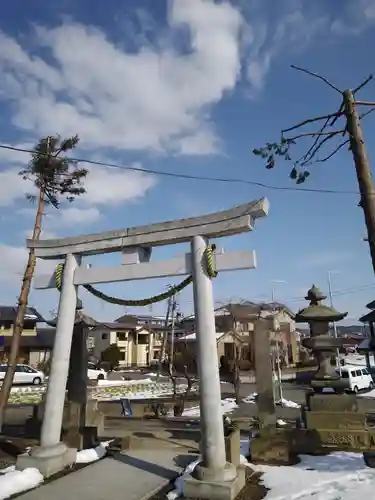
(235, 326)
(36, 343)
(139, 338)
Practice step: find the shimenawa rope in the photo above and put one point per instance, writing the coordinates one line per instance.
(208, 264)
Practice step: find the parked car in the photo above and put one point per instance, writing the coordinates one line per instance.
(356, 378)
(24, 374)
(95, 373)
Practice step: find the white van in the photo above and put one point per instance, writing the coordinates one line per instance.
(356, 378)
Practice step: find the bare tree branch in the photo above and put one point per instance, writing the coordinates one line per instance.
(316, 134)
(317, 76)
(316, 149)
(368, 79)
(315, 142)
(340, 110)
(367, 113)
(328, 157)
(365, 103)
(311, 120)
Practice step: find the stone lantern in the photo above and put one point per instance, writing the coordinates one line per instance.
(322, 345)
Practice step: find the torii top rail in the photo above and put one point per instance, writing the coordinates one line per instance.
(229, 222)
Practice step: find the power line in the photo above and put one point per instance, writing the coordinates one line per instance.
(337, 293)
(226, 180)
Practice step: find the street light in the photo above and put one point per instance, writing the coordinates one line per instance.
(329, 274)
(279, 377)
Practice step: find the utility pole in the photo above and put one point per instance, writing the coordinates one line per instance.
(351, 133)
(279, 377)
(338, 364)
(362, 167)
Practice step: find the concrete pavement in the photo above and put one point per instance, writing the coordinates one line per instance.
(134, 475)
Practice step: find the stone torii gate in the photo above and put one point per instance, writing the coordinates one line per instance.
(136, 244)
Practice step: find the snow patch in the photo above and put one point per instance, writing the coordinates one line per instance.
(228, 405)
(338, 476)
(287, 403)
(17, 481)
(92, 454)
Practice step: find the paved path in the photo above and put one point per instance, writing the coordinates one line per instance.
(134, 475)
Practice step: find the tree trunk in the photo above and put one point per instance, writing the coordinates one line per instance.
(363, 170)
(21, 310)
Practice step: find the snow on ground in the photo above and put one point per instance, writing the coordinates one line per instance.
(16, 481)
(227, 406)
(92, 454)
(287, 403)
(338, 476)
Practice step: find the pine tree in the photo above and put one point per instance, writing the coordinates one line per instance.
(56, 177)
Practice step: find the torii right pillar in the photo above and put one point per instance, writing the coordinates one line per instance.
(214, 477)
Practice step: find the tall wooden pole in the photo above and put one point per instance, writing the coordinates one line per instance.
(362, 166)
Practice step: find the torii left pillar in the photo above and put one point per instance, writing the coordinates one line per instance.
(53, 455)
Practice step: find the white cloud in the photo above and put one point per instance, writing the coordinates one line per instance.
(45, 234)
(74, 215)
(12, 187)
(356, 18)
(145, 100)
(13, 261)
(110, 186)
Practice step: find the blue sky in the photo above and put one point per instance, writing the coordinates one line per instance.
(188, 87)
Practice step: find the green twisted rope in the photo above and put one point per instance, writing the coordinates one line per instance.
(209, 267)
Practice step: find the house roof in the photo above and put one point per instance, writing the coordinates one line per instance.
(140, 319)
(365, 346)
(44, 339)
(250, 309)
(117, 327)
(191, 337)
(80, 318)
(8, 313)
(368, 318)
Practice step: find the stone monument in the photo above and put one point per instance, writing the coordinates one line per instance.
(214, 477)
(271, 445)
(322, 345)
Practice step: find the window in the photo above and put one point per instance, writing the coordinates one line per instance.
(104, 336)
(365, 372)
(358, 373)
(28, 369)
(344, 375)
(352, 373)
(121, 336)
(3, 369)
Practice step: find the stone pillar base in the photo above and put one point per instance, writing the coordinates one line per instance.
(47, 462)
(215, 490)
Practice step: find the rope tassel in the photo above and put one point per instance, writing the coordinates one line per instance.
(210, 269)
